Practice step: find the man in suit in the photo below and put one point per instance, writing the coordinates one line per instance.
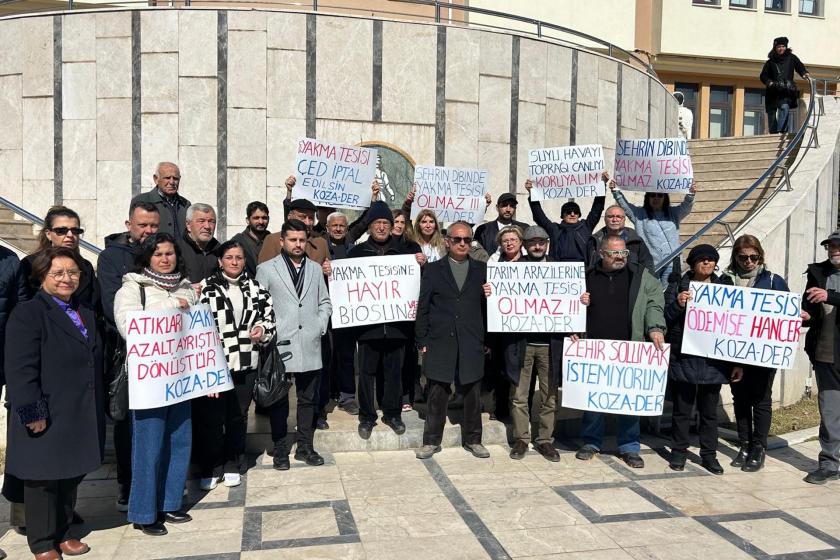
(302, 306)
(450, 327)
(170, 204)
(486, 233)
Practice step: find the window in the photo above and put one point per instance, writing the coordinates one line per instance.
(748, 4)
(689, 92)
(720, 112)
(776, 6)
(810, 7)
(754, 114)
(706, 2)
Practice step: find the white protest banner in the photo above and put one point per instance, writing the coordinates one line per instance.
(653, 165)
(537, 297)
(334, 174)
(748, 326)
(371, 290)
(615, 376)
(453, 194)
(566, 172)
(174, 356)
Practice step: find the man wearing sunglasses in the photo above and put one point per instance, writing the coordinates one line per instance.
(625, 302)
(570, 236)
(486, 234)
(449, 330)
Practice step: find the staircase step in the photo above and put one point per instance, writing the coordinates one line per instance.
(719, 163)
(745, 151)
(15, 228)
(752, 173)
(763, 140)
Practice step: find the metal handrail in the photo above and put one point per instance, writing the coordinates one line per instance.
(26, 214)
(778, 163)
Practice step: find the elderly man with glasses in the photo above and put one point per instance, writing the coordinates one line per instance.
(624, 302)
(615, 221)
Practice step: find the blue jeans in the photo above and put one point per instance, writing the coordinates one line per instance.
(779, 120)
(160, 459)
(592, 431)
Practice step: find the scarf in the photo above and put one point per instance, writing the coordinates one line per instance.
(166, 282)
(745, 279)
(74, 315)
(296, 273)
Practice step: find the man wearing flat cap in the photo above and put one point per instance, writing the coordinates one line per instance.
(486, 233)
(822, 344)
(781, 95)
(316, 247)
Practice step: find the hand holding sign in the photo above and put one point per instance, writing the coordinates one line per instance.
(453, 194)
(654, 165)
(334, 174)
(566, 172)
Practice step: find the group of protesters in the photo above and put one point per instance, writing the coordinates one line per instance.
(64, 323)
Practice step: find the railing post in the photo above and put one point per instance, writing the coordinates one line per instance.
(314, 5)
(539, 28)
(70, 4)
(437, 11)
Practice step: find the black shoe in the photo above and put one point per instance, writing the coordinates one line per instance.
(281, 457)
(321, 424)
(77, 519)
(633, 460)
(122, 497)
(350, 408)
(155, 529)
(365, 428)
(519, 449)
(586, 453)
(756, 459)
(741, 457)
(395, 424)
(176, 517)
(309, 456)
(677, 462)
(821, 476)
(711, 464)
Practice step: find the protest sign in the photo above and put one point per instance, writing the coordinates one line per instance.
(615, 376)
(174, 356)
(653, 165)
(539, 297)
(567, 172)
(371, 290)
(453, 194)
(748, 326)
(334, 174)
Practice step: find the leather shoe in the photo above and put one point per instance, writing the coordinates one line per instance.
(48, 555)
(365, 428)
(519, 449)
(395, 424)
(741, 457)
(711, 464)
(321, 424)
(677, 462)
(548, 451)
(155, 529)
(586, 453)
(477, 450)
(821, 476)
(309, 456)
(281, 462)
(755, 461)
(633, 460)
(176, 517)
(73, 547)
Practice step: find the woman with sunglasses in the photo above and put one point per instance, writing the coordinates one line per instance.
(752, 385)
(62, 228)
(694, 379)
(657, 222)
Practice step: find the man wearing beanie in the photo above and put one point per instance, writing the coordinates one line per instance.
(781, 95)
(693, 380)
(569, 237)
(382, 345)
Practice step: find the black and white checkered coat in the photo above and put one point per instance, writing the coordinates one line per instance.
(258, 310)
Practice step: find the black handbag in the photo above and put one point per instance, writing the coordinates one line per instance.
(118, 387)
(273, 382)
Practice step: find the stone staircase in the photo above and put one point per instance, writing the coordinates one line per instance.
(16, 232)
(724, 168)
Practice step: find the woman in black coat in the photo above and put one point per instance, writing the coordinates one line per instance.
(449, 331)
(56, 431)
(694, 378)
(781, 95)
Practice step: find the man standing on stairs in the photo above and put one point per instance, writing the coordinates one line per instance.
(615, 221)
(781, 95)
(117, 259)
(198, 244)
(486, 233)
(171, 205)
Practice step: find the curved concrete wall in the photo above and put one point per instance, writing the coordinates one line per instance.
(89, 102)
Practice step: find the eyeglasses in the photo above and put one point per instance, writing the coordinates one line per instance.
(510, 241)
(59, 274)
(615, 252)
(706, 259)
(752, 258)
(457, 240)
(62, 230)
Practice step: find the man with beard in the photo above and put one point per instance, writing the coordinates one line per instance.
(486, 234)
(254, 234)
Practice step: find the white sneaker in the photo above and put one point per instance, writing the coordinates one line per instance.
(232, 479)
(208, 484)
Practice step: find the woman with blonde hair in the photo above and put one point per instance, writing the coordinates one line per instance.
(511, 241)
(427, 234)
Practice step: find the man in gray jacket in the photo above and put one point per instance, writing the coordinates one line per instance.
(615, 221)
(171, 205)
(302, 306)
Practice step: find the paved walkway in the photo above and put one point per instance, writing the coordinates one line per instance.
(388, 505)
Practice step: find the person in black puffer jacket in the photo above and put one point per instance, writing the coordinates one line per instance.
(694, 378)
(781, 95)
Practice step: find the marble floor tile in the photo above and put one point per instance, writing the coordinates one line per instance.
(101, 488)
(606, 554)
(366, 507)
(615, 501)
(549, 540)
(353, 551)
(586, 474)
(299, 524)
(826, 519)
(451, 547)
(809, 494)
(179, 545)
(699, 550)
(775, 536)
(536, 462)
(260, 478)
(390, 487)
(471, 465)
(96, 507)
(356, 457)
(411, 527)
(763, 480)
(706, 503)
(514, 479)
(656, 531)
(376, 471)
(297, 494)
